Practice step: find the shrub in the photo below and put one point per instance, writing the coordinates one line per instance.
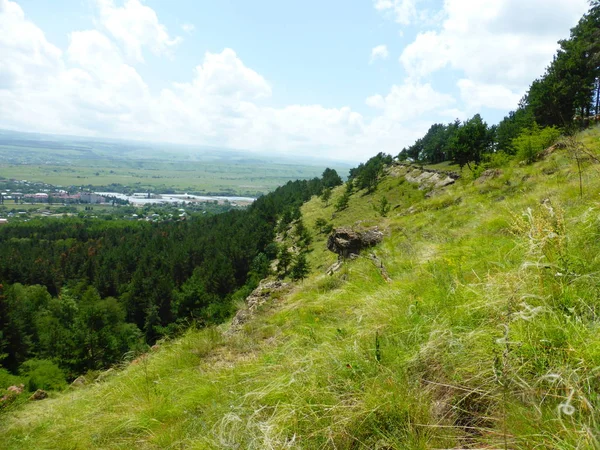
(8, 379)
(532, 141)
(43, 374)
(496, 160)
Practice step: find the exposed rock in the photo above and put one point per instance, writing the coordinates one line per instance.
(104, 375)
(347, 242)
(40, 394)
(425, 178)
(379, 264)
(335, 267)
(547, 152)
(79, 381)
(259, 296)
(16, 389)
(488, 175)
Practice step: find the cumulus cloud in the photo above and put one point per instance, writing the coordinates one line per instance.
(136, 26)
(94, 88)
(477, 95)
(26, 54)
(503, 44)
(379, 52)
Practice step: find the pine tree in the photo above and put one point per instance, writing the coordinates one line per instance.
(300, 268)
(285, 259)
(342, 202)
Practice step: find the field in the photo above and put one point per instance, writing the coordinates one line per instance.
(141, 167)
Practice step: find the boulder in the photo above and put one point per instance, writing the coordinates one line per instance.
(79, 381)
(16, 389)
(347, 242)
(40, 394)
(489, 174)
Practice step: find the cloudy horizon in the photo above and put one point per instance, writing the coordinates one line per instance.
(342, 81)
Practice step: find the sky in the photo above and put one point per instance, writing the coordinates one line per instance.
(336, 79)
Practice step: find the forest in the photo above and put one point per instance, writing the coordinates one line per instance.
(78, 294)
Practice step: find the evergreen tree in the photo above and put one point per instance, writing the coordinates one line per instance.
(342, 202)
(284, 260)
(331, 179)
(326, 196)
(300, 269)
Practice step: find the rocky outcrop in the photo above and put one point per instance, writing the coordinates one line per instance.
(40, 394)
(266, 291)
(347, 242)
(489, 174)
(426, 178)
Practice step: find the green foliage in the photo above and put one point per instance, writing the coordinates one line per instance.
(566, 92)
(532, 141)
(8, 379)
(323, 226)
(434, 147)
(300, 268)
(342, 202)
(349, 187)
(303, 236)
(43, 374)
(326, 196)
(331, 179)
(510, 127)
(490, 316)
(284, 260)
(496, 160)
(367, 175)
(470, 141)
(383, 208)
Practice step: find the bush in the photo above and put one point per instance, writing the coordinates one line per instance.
(43, 374)
(532, 141)
(496, 160)
(8, 379)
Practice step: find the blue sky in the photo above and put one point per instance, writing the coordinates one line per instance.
(332, 78)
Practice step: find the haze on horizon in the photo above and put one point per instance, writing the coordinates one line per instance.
(341, 80)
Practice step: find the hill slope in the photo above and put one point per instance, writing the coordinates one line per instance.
(485, 337)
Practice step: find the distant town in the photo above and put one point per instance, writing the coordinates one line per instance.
(19, 197)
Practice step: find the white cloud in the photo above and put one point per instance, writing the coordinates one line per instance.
(403, 11)
(379, 52)
(92, 88)
(189, 28)
(476, 96)
(501, 45)
(26, 56)
(225, 75)
(136, 26)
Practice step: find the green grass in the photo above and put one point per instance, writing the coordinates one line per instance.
(487, 337)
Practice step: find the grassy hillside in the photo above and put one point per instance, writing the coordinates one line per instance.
(486, 337)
